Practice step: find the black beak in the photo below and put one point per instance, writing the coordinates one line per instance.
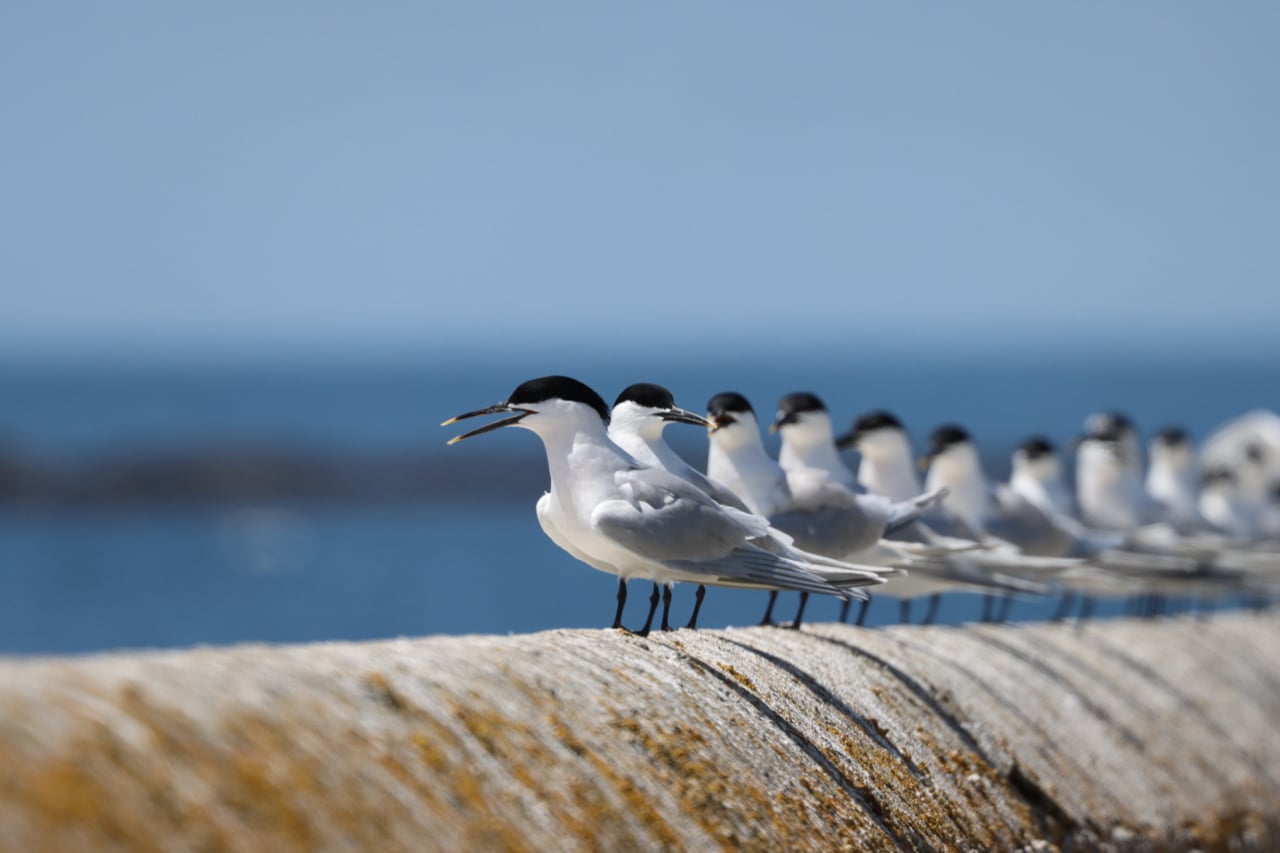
(782, 420)
(677, 415)
(490, 410)
(849, 439)
(718, 420)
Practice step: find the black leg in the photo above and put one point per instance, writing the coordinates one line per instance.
(844, 609)
(1201, 607)
(1086, 608)
(1064, 606)
(904, 612)
(862, 610)
(768, 611)
(622, 602)
(931, 612)
(666, 607)
(653, 608)
(1005, 604)
(697, 605)
(804, 599)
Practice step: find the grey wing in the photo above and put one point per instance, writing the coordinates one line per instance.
(702, 540)
(1022, 523)
(720, 493)
(655, 487)
(950, 526)
(664, 518)
(752, 567)
(904, 512)
(813, 489)
(832, 532)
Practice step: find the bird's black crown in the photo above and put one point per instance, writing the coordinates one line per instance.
(946, 436)
(1036, 447)
(648, 395)
(730, 402)
(1172, 436)
(558, 388)
(876, 419)
(800, 402)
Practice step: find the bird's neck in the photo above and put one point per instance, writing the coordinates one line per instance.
(747, 471)
(891, 476)
(815, 454)
(969, 495)
(582, 463)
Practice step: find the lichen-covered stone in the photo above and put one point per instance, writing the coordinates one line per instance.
(1122, 735)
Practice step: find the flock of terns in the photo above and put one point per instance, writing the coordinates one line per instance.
(1196, 526)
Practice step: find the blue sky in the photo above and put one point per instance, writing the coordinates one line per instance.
(235, 176)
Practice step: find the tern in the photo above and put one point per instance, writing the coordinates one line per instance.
(823, 512)
(1109, 487)
(1171, 477)
(886, 466)
(640, 414)
(623, 518)
(1038, 477)
(887, 470)
(987, 510)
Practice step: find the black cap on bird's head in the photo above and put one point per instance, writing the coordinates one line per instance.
(1219, 475)
(529, 393)
(792, 406)
(724, 409)
(650, 396)
(946, 436)
(942, 439)
(1036, 447)
(646, 394)
(868, 423)
(1172, 436)
(1108, 426)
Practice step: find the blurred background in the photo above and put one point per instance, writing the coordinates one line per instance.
(253, 254)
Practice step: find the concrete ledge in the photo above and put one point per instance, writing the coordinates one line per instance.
(1129, 735)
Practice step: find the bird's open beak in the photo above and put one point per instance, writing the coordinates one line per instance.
(677, 415)
(490, 410)
(849, 439)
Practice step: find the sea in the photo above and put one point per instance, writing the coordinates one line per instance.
(467, 556)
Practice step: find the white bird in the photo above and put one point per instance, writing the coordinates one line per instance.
(640, 414)
(819, 480)
(987, 510)
(1109, 488)
(946, 561)
(886, 465)
(1171, 477)
(1223, 504)
(629, 520)
(1037, 476)
(822, 512)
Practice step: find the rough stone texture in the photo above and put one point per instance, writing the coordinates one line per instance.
(1125, 735)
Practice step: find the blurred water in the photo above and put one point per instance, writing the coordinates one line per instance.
(155, 576)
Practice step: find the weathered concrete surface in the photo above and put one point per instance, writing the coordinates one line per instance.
(1124, 735)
